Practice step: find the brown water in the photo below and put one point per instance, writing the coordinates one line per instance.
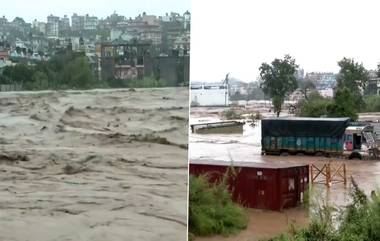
(90, 165)
(247, 147)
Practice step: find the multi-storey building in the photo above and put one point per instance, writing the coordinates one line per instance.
(90, 22)
(64, 24)
(52, 26)
(3, 20)
(187, 20)
(373, 86)
(77, 22)
(321, 79)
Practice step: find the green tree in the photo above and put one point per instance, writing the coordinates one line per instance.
(344, 105)
(354, 77)
(78, 74)
(279, 80)
(315, 106)
(372, 103)
(41, 80)
(306, 86)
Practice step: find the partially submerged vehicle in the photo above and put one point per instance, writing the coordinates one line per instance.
(359, 140)
(295, 135)
(225, 127)
(319, 136)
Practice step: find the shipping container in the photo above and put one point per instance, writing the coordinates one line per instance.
(272, 186)
(303, 135)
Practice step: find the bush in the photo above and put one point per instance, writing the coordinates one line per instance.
(314, 106)
(359, 220)
(343, 105)
(372, 103)
(211, 209)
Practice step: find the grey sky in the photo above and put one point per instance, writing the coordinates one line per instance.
(237, 36)
(40, 9)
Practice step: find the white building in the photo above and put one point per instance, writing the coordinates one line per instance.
(52, 27)
(209, 95)
(90, 23)
(187, 18)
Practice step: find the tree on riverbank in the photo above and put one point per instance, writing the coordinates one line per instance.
(279, 80)
(354, 77)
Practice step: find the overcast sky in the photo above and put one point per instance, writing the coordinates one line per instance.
(40, 9)
(237, 36)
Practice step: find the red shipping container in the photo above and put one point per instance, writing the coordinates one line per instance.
(272, 186)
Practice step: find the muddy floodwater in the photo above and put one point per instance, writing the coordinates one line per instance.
(246, 147)
(94, 165)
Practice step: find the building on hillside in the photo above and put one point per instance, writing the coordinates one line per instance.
(187, 20)
(171, 31)
(52, 26)
(182, 43)
(64, 24)
(373, 86)
(90, 22)
(3, 21)
(4, 55)
(165, 18)
(77, 22)
(123, 60)
(122, 34)
(39, 26)
(321, 79)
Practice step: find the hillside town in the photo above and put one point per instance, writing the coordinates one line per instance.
(116, 47)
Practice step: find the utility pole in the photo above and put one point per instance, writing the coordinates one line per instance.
(226, 91)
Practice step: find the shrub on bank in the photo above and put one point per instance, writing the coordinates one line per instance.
(372, 103)
(211, 209)
(359, 220)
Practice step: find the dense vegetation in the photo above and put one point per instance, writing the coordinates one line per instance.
(359, 220)
(64, 71)
(67, 71)
(211, 210)
(348, 99)
(371, 103)
(342, 105)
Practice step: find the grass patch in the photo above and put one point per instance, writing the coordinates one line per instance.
(211, 209)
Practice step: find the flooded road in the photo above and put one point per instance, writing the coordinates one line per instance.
(246, 147)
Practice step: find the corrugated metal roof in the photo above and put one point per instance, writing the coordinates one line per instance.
(307, 118)
(266, 165)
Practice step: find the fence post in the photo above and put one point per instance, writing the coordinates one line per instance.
(344, 174)
(311, 173)
(328, 175)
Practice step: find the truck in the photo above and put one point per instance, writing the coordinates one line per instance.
(359, 139)
(300, 135)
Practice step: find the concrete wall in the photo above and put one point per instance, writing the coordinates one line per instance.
(209, 95)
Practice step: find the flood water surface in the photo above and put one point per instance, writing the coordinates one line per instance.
(246, 147)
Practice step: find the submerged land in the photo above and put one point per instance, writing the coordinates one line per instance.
(246, 147)
(94, 165)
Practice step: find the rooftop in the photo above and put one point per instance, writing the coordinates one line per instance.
(273, 165)
(307, 119)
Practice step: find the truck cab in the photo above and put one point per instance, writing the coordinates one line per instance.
(358, 139)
